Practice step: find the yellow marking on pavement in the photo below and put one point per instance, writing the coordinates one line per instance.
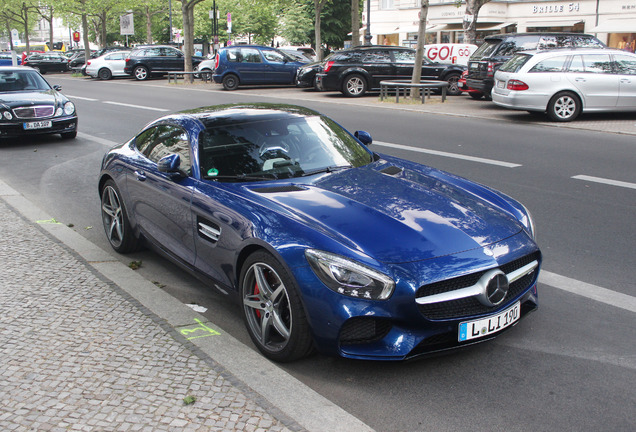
(207, 331)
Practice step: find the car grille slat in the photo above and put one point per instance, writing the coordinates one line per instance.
(470, 306)
(34, 112)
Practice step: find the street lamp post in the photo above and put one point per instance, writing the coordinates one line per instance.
(367, 34)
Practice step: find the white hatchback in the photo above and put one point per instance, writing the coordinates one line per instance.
(108, 65)
(564, 83)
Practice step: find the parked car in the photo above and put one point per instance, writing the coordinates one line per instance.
(6, 59)
(475, 94)
(206, 68)
(306, 74)
(51, 61)
(78, 60)
(322, 241)
(357, 70)
(497, 49)
(450, 52)
(296, 55)
(30, 106)
(108, 65)
(565, 83)
(156, 60)
(253, 64)
(308, 52)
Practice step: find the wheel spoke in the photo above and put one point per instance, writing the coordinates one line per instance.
(262, 283)
(280, 326)
(266, 325)
(254, 301)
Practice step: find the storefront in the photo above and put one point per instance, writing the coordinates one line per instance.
(395, 22)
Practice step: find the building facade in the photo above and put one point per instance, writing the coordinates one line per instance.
(395, 22)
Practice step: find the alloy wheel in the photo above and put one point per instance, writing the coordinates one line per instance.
(565, 107)
(355, 85)
(112, 216)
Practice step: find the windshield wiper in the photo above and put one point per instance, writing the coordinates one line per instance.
(328, 169)
(241, 177)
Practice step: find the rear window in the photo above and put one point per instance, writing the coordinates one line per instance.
(515, 63)
(552, 64)
(511, 46)
(486, 49)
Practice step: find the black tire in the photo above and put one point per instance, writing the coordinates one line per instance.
(141, 73)
(272, 309)
(564, 107)
(104, 74)
(354, 85)
(115, 220)
(69, 135)
(230, 82)
(453, 85)
(476, 95)
(205, 74)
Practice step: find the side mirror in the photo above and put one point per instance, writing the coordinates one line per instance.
(57, 87)
(364, 137)
(169, 164)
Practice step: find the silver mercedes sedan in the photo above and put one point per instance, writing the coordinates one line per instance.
(564, 83)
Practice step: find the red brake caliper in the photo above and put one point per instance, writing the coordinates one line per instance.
(256, 291)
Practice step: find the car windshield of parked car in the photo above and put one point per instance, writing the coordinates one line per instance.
(24, 80)
(273, 149)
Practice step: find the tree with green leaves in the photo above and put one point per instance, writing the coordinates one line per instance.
(318, 5)
(21, 13)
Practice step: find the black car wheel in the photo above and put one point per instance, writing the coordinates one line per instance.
(476, 95)
(104, 74)
(354, 85)
(230, 82)
(140, 73)
(564, 107)
(453, 85)
(272, 309)
(115, 219)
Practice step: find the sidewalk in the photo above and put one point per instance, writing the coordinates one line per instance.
(81, 352)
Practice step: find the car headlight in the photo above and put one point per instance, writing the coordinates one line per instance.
(348, 277)
(7, 115)
(59, 111)
(528, 222)
(69, 108)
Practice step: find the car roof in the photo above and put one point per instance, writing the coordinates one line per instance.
(14, 68)
(573, 50)
(506, 35)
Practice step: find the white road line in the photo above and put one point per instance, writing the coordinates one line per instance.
(81, 98)
(605, 181)
(450, 155)
(593, 292)
(136, 106)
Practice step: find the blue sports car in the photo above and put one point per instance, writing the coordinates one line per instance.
(325, 243)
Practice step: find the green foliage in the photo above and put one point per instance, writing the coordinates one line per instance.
(296, 24)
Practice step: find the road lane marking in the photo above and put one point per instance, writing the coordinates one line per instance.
(593, 292)
(81, 98)
(136, 106)
(605, 181)
(446, 154)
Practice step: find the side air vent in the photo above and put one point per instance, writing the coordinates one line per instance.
(391, 170)
(208, 230)
(278, 189)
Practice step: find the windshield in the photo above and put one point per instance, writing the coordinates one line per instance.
(281, 148)
(22, 80)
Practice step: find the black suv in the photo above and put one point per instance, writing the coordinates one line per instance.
(497, 49)
(146, 61)
(355, 71)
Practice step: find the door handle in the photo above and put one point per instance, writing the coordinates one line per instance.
(580, 79)
(141, 176)
(625, 80)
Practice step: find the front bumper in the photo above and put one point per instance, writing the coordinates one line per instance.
(11, 129)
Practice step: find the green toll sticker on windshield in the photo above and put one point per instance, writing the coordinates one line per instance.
(213, 172)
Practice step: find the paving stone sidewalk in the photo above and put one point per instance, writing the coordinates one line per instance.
(78, 354)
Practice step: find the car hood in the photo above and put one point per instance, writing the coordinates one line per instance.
(404, 217)
(46, 97)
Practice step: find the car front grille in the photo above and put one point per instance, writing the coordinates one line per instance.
(34, 112)
(470, 306)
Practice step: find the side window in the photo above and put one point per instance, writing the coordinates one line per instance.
(273, 56)
(577, 64)
(170, 139)
(250, 55)
(597, 63)
(626, 64)
(152, 52)
(144, 139)
(233, 55)
(554, 64)
(377, 57)
(169, 52)
(404, 56)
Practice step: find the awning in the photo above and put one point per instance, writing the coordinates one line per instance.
(411, 28)
(384, 28)
(496, 26)
(456, 25)
(616, 25)
(553, 23)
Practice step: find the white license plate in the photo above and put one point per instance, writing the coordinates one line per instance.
(501, 84)
(486, 326)
(38, 125)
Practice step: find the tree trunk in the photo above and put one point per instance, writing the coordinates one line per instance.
(26, 27)
(102, 21)
(317, 10)
(87, 48)
(355, 23)
(419, 51)
(148, 25)
(470, 20)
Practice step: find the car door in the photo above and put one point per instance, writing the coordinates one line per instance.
(152, 58)
(250, 66)
(594, 76)
(172, 60)
(161, 201)
(279, 67)
(379, 64)
(116, 62)
(626, 68)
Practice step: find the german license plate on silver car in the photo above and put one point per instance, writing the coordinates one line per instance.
(486, 326)
(501, 84)
(38, 125)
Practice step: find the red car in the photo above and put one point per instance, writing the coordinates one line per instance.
(475, 94)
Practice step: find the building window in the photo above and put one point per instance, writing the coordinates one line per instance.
(387, 4)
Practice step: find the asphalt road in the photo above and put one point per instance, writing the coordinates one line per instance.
(570, 366)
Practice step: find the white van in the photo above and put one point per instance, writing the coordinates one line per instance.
(449, 53)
